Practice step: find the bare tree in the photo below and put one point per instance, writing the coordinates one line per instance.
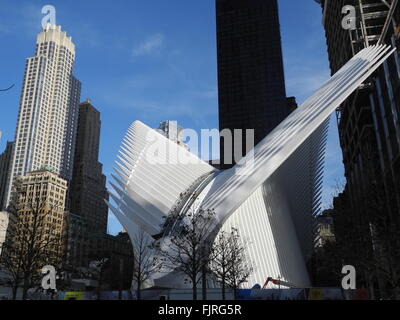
(240, 268)
(145, 262)
(97, 269)
(30, 245)
(367, 231)
(189, 243)
(383, 226)
(387, 247)
(221, 261)
(352, 246)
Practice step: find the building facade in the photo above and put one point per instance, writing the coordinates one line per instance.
(48, 112)
(251, 83)
(4, 222)
(88, 186)
(325, 228)
(5, 162)
(38, 202)
(118, 249)
(77, 243)
(172, 131)
(369, 127)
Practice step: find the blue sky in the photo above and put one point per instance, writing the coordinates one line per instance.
(155, 60)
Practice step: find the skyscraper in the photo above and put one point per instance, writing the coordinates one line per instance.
(88, 186)
(369, 132)
(172, 131)
(48, 110)
(5, 162)
(251, 83)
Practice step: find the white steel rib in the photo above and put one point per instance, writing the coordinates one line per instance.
(271, 195)
(272, 152)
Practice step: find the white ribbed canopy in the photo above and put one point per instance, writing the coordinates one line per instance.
(270, 195)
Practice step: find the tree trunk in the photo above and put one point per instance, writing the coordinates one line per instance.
(15, 291)
(99, 285)
(204, 283)
(371, 288)
(25, 288)
(235, 293)
(223, 288)
(194, 289)
(121, 279)
(139, 290)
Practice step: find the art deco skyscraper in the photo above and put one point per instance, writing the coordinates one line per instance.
(251, 83)
(88, 186)
(48, 114)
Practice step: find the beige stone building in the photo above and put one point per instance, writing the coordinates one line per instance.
(42, 193)
(4, 221)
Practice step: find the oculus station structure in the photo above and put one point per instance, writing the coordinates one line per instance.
(271, 195)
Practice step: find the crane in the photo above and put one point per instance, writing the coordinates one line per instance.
(278, 282)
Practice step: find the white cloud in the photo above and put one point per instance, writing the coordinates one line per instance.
(23, 19)
(149, 46)
(32, 18)
(85, 34)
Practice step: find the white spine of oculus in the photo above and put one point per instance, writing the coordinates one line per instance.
(271, 195)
